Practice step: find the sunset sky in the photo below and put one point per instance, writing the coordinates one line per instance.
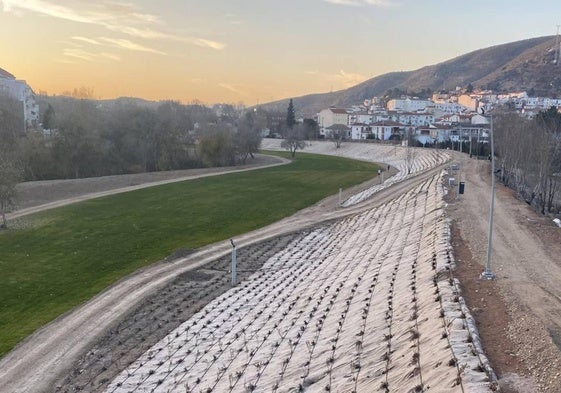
(250, 51)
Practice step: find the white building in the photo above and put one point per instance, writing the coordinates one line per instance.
(416, 119)
(337, 131)
(361, 118)
(21, 91)
(440, 109)
(408, 105)
(385, 116)
(328, 117)
(385, 130)
(360, 132)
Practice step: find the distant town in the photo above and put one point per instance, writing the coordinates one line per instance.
(455, 116)
(446, 117)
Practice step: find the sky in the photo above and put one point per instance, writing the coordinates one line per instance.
(247, 51)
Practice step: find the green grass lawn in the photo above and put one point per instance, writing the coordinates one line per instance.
(57, 259)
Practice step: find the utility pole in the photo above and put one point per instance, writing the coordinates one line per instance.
(488, 274)
(461, 138)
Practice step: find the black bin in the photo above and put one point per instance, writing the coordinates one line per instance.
(461, 189)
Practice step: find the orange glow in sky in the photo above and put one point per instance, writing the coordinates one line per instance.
(247, 51)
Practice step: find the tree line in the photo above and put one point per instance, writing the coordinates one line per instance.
(81, 137)
(528, 153)
(85, 138)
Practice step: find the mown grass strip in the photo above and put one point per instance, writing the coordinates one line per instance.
(57, 259)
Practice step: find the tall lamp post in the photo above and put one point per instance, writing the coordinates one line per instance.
(488, 274)
(234, 263)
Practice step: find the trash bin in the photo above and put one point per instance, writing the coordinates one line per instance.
(461, 190)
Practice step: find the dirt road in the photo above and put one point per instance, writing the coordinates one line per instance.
(519, 314)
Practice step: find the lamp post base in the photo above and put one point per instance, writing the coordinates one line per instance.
(487, 275)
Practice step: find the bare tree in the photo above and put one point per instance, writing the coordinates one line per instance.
(529, 155)
(10, 175)
(410, 155)
(294, 139)
(248, 137)
(339, 133)
(513, 140)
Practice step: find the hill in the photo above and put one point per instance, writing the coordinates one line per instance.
(522, 65)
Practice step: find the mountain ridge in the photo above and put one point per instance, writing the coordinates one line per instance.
(520, 65)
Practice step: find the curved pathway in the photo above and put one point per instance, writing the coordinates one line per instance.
(57, 193)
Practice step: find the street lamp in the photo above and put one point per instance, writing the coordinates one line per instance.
(234, 263)
(488, 274)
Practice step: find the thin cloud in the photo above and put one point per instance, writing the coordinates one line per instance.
(84, 55)
(207, 43)
(45, 8)
(116, 17)
(78, 53)
(86, 40)
(127, 44)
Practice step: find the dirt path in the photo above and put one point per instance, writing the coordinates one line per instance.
(48, 194)
(519, 314)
